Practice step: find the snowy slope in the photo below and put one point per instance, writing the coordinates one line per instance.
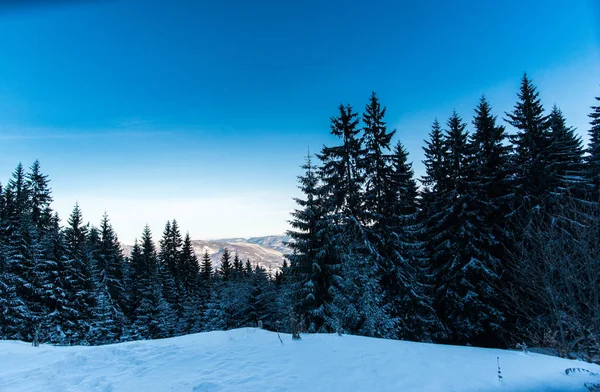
(277, 242)
(254, 360)
(267, 251)
(266, 257)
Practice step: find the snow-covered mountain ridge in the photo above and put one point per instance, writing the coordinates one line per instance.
(267, 251)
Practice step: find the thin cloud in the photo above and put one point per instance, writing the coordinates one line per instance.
(134, 122)
(51, 133)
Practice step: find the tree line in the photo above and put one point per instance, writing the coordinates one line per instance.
(72, 285)
(498, 244)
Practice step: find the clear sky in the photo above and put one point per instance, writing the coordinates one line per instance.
(203, 110)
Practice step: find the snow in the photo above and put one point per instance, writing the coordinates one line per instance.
(267, 251)
(251, 359)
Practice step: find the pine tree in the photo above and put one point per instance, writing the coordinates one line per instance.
(492, 182)
(531, 143)
(59, 317)
(434, 182)
(40, 194)
(192, 297)
(79, 276)
(406, 290)
(4, 284)
(171, 302)
(565, 156)
(376, 160)
(367, 299)
(248, 267)
(215, 316)
(339, 196)
(238, 266)
(189, 268)
(261, 300)
(110, 275)
(309, 278)
(140, 279)
(150, 310)
(593, 157)
(206, 268)
(170, 249)
(491, 162)
(206, 287)
(19, 191)
(379, 269)
(340, 165)
(103, 329)
(22, 253)
(169, 259)
(13, 309)
(435, 151)
(464, 270)
(226, 267)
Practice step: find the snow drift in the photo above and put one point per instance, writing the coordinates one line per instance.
(251, 359)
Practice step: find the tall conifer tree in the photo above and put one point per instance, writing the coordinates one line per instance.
(309, 276)
(531, 142)
(593, 150)
(565, 157)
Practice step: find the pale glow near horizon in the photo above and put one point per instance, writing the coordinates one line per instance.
(223, 216)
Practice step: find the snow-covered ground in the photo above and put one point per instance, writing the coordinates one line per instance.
(255, 360)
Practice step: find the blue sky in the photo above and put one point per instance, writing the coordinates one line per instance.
(203, 111)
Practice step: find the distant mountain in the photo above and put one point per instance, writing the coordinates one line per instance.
(276, 242)
(267, 251)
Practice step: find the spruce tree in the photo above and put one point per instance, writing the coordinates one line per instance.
(248, 267)
(340, 165)
(238, 266)
(491, 162)
(226, 267)
(151, 313)
(593, 153)
(21, 283)
(376, 160)
(17, 188)
(139, 278)
(111, 279)
(494, 192)
(192, 296)
(463, 268)
(533, 179)
(56, 324)
(565, 156)
(206, 271)
(40, 194)
(406, 293)
(435, 151)
(169, 258)
(309, 276)
(79, 275)
(15, 312)
(378, 267)
(189, 269)
(261, 300)
(103, 329)
(434, 181)
(170, 249)
(341, 238)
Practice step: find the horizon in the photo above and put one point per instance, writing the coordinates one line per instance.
(156, 240)
(204, 113)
